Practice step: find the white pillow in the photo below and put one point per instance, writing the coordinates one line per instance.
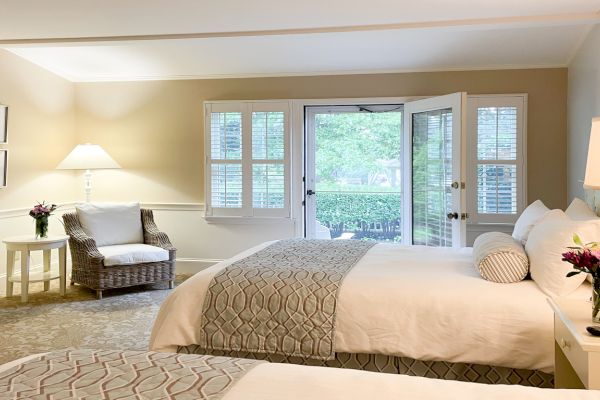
(529, 217)
(111, 223)
(547, 241)
(500, 258)
(578, 210)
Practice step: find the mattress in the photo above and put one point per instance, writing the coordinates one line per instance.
(264, 381)
(411, 301)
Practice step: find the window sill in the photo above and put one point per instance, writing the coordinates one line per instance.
(248, 220)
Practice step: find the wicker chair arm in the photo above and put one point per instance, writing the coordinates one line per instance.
(153, 236)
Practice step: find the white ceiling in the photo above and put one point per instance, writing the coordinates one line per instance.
(151, 39)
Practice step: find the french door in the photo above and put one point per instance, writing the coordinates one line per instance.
(386, 172)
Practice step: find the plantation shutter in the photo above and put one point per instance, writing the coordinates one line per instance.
(248, 164)
(497, 158)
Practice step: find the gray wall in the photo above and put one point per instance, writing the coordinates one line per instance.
(583, 105)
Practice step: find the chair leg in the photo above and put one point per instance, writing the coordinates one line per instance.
(99, 294)
(171, 284)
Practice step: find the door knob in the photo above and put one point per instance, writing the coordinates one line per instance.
(452, 215)
(454, 185)
(310, 192)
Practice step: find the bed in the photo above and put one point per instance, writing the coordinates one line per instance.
(405, 309)
(112, 374)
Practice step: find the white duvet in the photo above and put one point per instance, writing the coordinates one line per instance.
(414, 301)
(296, 382)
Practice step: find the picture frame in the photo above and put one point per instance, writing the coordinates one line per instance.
(3, 124)
(3, 167)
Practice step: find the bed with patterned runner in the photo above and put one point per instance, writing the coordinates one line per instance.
(280, 300)
(465, 372)
(111, 374)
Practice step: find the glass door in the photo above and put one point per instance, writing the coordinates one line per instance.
(354, 172)
(433, 184)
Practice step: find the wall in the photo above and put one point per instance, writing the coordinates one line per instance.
(41, 132)
(155, 130)
(583, 105)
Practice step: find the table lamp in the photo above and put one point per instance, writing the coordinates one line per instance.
(88, 157)
(592, 168)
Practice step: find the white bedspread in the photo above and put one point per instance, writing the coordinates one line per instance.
(295, 382)
(414, 301)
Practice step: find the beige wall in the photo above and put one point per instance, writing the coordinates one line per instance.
(584, 104)
(41, 131)
(154, 129)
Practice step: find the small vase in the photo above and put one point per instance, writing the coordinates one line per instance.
(41, 227)
(595, 300)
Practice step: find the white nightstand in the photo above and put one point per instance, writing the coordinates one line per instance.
(576, 352)
(27, 244)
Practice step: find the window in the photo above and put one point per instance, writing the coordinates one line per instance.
(496, 167)
(247, 162)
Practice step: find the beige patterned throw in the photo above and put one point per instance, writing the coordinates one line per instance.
(281, 299)
(113, 374)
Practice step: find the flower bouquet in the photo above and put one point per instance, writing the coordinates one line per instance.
(585, 257)
(40, 212)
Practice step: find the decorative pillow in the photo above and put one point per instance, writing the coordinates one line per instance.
(500, 258)
(547, 241)
(578, 210)
(111, 223)
(529, 217)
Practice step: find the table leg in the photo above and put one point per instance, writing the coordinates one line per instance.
(25, 259)
(47, 256)
(62, 267)
(10, 264)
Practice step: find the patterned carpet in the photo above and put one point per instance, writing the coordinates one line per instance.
(122, 320)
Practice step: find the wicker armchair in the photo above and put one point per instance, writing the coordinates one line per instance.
(88, 263)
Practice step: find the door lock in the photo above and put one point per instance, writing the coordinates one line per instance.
(452, 215)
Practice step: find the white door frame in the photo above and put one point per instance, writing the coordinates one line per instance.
(456, 101)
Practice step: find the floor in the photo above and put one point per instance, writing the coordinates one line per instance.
(122, 320)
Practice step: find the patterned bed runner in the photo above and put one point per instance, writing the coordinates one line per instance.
(111, 374)
(281, 299)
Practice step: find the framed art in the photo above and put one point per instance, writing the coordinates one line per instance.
(3, 124)
(3, 167)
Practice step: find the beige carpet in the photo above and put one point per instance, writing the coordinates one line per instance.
(121, 320)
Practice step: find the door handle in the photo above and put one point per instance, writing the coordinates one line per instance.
(452, 215)
(310, 192)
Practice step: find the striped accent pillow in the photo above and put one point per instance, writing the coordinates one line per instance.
(500, 258)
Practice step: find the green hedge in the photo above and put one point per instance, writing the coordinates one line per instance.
(368, 215)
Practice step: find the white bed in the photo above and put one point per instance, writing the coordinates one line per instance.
(412, 301)
(276, 381)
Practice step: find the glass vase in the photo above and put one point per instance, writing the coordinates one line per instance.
(41, 227)
(595, 300)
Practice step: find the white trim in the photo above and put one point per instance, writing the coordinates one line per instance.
(238, 220)
(510, 21)
(69, 206)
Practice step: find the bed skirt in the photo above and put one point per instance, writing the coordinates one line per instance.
(403, 365)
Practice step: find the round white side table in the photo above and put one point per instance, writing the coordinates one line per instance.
(27, 244)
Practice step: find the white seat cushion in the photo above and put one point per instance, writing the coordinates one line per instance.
(111, 223)
(125, 254)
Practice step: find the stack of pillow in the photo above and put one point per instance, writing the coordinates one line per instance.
(539, 238)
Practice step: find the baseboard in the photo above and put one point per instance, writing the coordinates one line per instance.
(193, 265)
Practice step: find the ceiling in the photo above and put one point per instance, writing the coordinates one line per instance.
(178, 39)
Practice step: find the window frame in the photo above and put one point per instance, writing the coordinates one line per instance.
(247, 211)
(496, 100)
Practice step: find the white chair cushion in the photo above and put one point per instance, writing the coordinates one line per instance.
(125, 254)
(547, 241)
(529, 217)
(111, 223)
(578, 210)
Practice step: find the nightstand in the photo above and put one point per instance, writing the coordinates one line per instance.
(576, 352)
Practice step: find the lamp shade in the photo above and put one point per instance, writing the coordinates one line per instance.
(592, 168)
(88, 156)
